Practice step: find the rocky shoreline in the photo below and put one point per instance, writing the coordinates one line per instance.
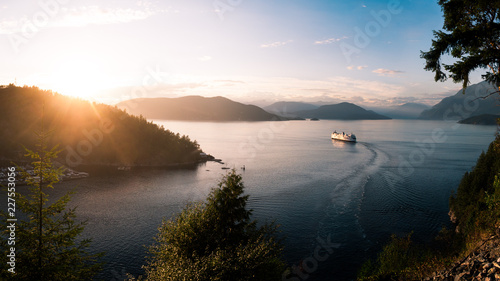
(85, 170)
(481, 264)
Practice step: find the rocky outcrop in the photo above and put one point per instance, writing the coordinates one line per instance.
(482, 264)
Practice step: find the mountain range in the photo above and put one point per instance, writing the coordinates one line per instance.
(289, 108)
(460, 106)
(196, 108)
(341, 111)
(294, 109)
(404, 111)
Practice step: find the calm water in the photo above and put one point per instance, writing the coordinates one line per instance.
(396, 179)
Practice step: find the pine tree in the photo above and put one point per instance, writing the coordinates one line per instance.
(48, 244)
(216, 240)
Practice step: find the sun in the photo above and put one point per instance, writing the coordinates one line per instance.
(78, 76)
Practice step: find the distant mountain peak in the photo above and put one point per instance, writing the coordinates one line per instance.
(197, 108)
(410, 110)
(342, 111)
(288, 108)
(461, 106)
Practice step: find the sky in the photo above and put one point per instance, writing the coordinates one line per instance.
(252, 51)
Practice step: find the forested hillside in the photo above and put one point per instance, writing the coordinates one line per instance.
(342, 111)
(476, 204)
(87, 133)
(196, 108)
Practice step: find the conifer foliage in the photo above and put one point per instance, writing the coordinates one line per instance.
(88, 133)
(48, 243)
(477, 200)
(471, 36)
(216, 240)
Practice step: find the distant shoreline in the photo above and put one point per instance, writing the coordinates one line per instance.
(102, 169)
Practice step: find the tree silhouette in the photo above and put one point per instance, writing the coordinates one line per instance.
(47, 240)
(216, 240)
(472, 36)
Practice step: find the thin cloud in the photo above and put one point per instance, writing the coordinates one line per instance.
(83, 16)
(359, 67)
(276, 44)
(329, 41)
(229, 81)
(387, 72)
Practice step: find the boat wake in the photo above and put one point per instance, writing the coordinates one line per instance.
(341, 218)
(357, 179)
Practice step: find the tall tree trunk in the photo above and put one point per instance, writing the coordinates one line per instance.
(40, 222)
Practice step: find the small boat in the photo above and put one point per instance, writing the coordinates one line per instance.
(344, 137)
(124, 168)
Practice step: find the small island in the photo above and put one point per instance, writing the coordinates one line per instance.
(483, 119)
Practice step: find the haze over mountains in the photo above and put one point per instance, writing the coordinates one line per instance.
(289, 108)
(461, 106)
(196, 108)
(404, 111)
(341, 111)
(472, 106)
(294, 109)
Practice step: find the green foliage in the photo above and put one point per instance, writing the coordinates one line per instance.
(474, 204)
(472, 36)
(395, 256)
(216, 240)
(393, 261)
(493, 201)
(403, 259)
(88, 133)
(47, 245)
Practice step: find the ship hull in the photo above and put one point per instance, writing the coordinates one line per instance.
(344, 137)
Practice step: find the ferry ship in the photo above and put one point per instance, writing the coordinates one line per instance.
(343, 137)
